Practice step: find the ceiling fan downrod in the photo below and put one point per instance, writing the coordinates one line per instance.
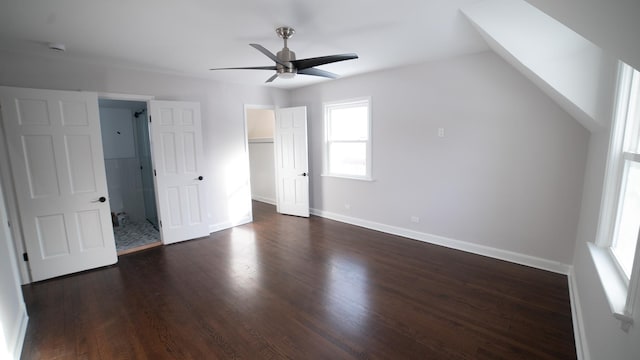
(285, 55)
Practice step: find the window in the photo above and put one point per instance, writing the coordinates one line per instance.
(347, 127)
(619, 225)
(624, 159)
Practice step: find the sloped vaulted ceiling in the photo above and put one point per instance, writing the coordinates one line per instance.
(577, 74)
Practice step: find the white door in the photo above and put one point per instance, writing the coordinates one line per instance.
(292, 164)
(178, 160)
(58, 170)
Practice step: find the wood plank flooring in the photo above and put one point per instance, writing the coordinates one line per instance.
(294, 288)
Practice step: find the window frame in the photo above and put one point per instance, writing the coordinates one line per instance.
(327, 107)
(619, 289)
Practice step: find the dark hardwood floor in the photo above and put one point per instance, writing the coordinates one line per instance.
(294, 288)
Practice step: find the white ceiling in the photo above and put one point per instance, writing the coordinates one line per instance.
(190, 36)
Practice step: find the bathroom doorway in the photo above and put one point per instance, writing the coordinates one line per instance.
(130, 180)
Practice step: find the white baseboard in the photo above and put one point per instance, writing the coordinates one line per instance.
(522, 259)
(582, 350)
(15, 339)
(229, 224)
(263, 199)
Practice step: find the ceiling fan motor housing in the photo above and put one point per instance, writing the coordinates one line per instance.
(286, 56)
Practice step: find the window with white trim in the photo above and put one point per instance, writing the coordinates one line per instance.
(619, 227)
(347, 127)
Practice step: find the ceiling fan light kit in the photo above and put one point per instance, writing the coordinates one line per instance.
(286, 64)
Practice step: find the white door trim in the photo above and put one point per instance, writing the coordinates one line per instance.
(11, 202)
(125, 97)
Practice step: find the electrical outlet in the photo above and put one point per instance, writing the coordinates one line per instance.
(415, 219)
(440, 132)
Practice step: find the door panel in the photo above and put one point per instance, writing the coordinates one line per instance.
(42, 176)
(52, 235)
(292, 180)
(55, 148)
(176, 143)
(88, 221)
(80, 158)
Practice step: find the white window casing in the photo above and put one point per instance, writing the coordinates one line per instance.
(347, 139)
(619, 272)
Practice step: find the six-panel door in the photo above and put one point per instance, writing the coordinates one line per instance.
(291, 158)
(176, 143)
(58, 170)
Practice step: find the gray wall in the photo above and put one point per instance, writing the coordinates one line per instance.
(508, 174)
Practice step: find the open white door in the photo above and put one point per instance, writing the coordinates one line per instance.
(292, 161)
(176, 143)
(58, 171)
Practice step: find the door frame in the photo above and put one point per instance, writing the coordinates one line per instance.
(246, 148)
(132, 97)
(11, 202)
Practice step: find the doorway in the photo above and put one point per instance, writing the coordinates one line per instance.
(127, 154)
(260, 134)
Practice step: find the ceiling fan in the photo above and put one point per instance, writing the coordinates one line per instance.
(287, 66)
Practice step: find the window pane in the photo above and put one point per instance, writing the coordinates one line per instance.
(350, 123)
(348, 159)
(624, 245)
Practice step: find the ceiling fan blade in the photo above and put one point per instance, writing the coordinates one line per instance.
(248, 68)
(318, 72)
(268, 53)
(311, 62)
(272, 78)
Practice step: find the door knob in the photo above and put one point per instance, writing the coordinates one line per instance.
(200, 178)
(303, 174)
(101, 199)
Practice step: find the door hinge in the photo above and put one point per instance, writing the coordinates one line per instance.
(154, 172)
(25, 256)
(149, 118)
(160, 223)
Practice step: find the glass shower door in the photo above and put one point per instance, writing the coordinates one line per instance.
(148, 192)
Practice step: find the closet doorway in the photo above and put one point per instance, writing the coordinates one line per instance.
(260, 124)
(130, 179)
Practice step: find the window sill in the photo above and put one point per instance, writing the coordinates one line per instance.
(348, 177)
(614, 285)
